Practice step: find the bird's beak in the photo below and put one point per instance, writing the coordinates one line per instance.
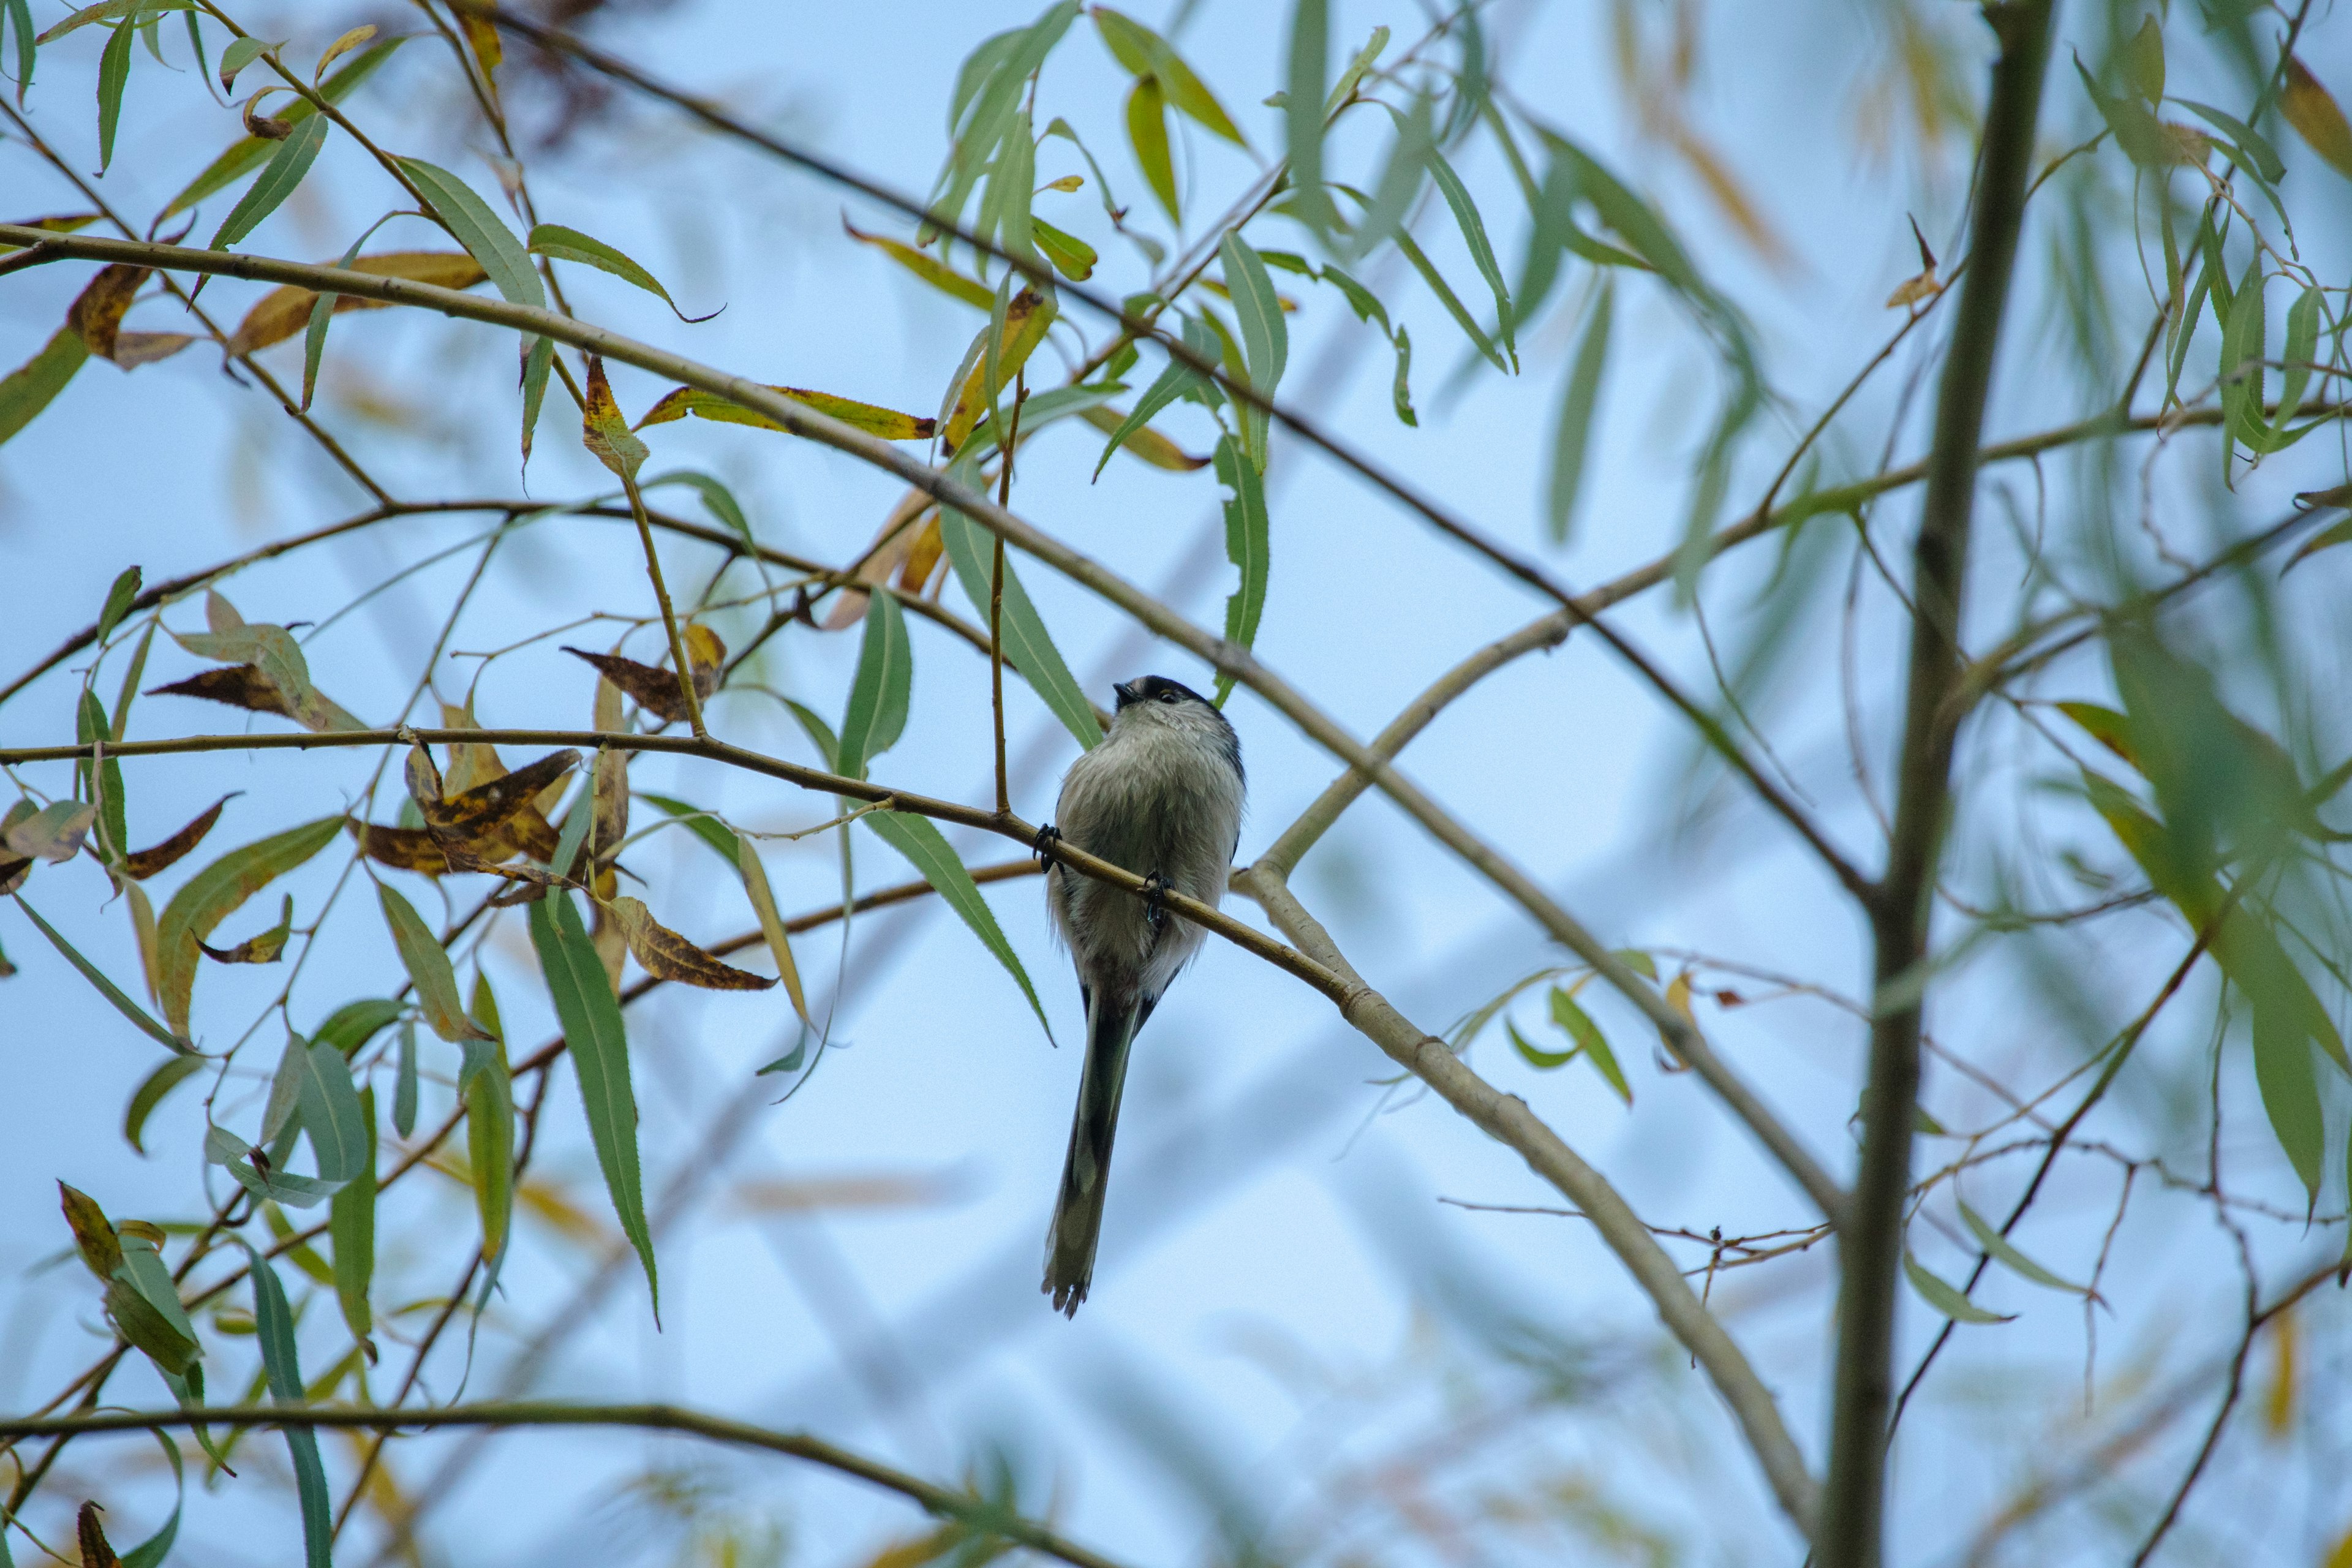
(1126, 693)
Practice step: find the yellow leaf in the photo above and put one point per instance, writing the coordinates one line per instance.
(771, 924)
(2278, 1407)
(1146, 444)
(1025, 321)
(349, 41)
(663, 953)
(282, 312)
(874, 420)
(2312, 110)
(604, 431)
(483, 34)
(1067, 183)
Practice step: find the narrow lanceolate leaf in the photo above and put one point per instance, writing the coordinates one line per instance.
(473, 226)
(667, 955)
(590, 1015)
(653, 689)
(264, 948)
(1143, 442)
(273, 1327)
(33, 386)
(1579, 399)
(604, 431)
(216, 892)
(340, 1138)
(428, 968)
(355, 1023)
(1265, 340)
(350, 1227)
(876, 714)
(107, 11)
(704, 824)
(874, 420)
(113, 75)
(1026, 317)
(404, 1084)
(106, 791)
(176, 1040)
(552, 239)
(927, 266)
(486, 1087)
(1474, 235)
(771, 923)
(1147, 133)
(1028, 647)
(1945, 1298)
(1306, 82)
(2290, 1087)
(286, 167)
(1999, 1248)
(151, 1092)
(341, 46)
(118, 602)
(284, 312)
(93, 1233)
(1073, 257)
(1174, 383)
(1248, 545)
(922, 844)
(1569, 1015)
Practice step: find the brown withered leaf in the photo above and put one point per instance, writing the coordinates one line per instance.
(13, 870)
(141, 864)
(653, 690)
(604, 430)
(489, 808)
(238, 685)
(283, 313)
(423, 779)
(669, 956)
(893, 543)
(95, 1552)
(402, 848)
(96, 314)
(264, 947)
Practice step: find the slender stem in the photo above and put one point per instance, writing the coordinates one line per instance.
(990, 1518)
(669, 617)
(1871, 1244)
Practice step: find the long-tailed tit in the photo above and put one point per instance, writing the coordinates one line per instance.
(1162, 797)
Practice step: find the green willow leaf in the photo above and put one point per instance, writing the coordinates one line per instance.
(473, 224)
(403, 1093)
(1542, 1061)
(1265, 340)
(427, 964)
(590, 1018)
(273, 1325)
(1174, 383)
(90, 726)
(1474, 235)
(552, 239)
(355, 1023)
(2001, 1248)
(113, 75)
(1453, 303)
(921, 841)
(879, 696)
(488, 1090)
(1147, 133)
(716, 499)
(286, 168)
(118, 602)
(151, 1553)
(35, 385)
(1945, 1298)
(106, 988)
(16, 24)
(1305, 82)
(1569, 1015)
(702, 824)
(350, 1227)
(1028, 647)
(1248, 545)
(149, 1094)
(1399, 182)
(1580, 396)
(250, 153)
(340, 1138)
(2290, 1087)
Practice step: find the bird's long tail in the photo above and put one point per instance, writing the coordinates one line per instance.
(1085, 1171)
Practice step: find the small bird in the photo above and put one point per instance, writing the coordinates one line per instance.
(1162, 797)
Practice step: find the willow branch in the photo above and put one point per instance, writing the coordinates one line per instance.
(1871, 1246)
(1506, 1118)
(961, 1506)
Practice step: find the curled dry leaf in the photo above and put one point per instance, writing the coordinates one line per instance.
(264, 947)
(238, 685)
(141, 864)
(283, 313)
(497, 805)
(656, 689)
(669, 956)
(96, 314)
(95, 1551)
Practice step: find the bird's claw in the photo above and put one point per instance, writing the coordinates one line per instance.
(1155, 900)
(1042, 844)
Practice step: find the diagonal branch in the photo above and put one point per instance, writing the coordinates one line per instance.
(977, 1513)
